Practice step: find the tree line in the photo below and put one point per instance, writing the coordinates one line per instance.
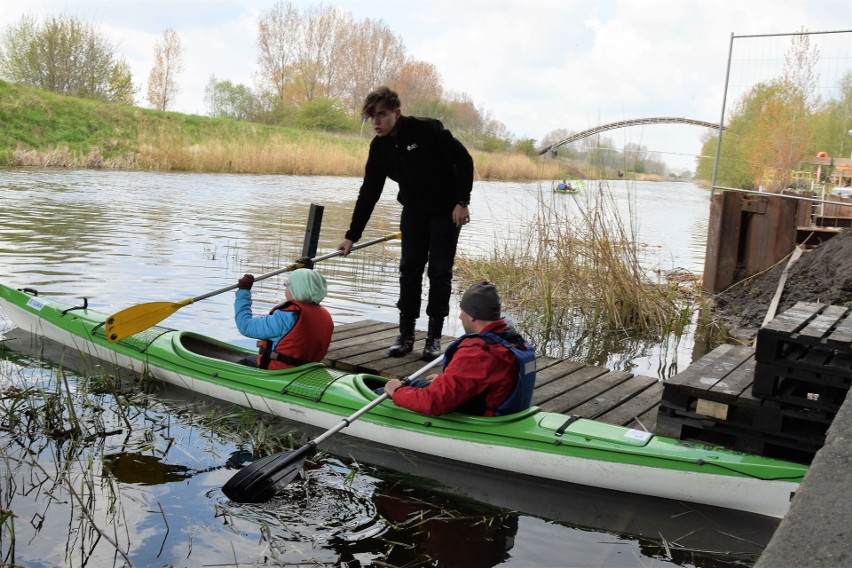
(314, 67)
(778, 124)
(601, 152)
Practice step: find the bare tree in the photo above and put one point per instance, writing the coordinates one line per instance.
(278, 41)
(323, 37)
(168, 63)
(67, 56)
(418, 80)
(373, 56)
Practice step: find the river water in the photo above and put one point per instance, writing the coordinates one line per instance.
(124, 238)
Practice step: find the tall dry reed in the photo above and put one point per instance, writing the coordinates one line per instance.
(305, 156)
(513, 166)
(577, 275)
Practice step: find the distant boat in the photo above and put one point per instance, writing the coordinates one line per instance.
(567, 190)
(567, 187)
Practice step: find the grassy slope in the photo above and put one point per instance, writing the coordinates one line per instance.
(38, 128)
(40, 121)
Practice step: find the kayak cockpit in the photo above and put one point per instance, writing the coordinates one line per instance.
(208, 347)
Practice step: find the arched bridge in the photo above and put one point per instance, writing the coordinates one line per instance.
(625, 123)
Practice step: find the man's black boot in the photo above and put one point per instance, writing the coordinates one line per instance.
(404, 343)
(433, 338)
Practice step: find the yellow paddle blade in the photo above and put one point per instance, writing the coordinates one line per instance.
(139, 318)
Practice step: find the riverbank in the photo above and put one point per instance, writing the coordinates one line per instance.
(47, 130)
(823, 274)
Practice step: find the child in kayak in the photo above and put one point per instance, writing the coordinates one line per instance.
(295, 332)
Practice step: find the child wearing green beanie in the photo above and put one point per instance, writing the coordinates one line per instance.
(295, 332)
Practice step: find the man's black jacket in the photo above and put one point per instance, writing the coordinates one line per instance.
(433, 169)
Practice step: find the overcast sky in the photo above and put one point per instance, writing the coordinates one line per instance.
(535, 65)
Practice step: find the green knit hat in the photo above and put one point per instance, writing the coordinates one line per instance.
(307, 286)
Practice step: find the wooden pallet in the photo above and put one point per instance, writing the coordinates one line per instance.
(800, 387)
(808, 324)
(563, 386)
(804, 356)
(712, 401)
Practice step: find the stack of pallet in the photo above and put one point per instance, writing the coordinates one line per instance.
(777, 399)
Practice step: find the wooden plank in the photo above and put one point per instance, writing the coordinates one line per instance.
(371, 361)
(565, 383)
(623, 414)
(793, 319)
(773, 306)
(397, 368)
(359, 344)
(542, 362)
(556, 371)
(712, 409)
(585, 392)
(647, 421)
(806, 324)
(819, 327)
(597, 392)
(700, 365)
(608, 400)
(736, 385)
(356, 329)
(707, 372)
(842, 335)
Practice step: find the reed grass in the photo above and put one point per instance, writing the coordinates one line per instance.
(507, 166)
(576, 277)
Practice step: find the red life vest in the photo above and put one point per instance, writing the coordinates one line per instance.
(306, 342)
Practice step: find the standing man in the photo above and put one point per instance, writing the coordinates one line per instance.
(435, 176)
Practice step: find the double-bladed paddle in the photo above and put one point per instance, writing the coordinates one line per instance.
(142, 316)
(262, 479)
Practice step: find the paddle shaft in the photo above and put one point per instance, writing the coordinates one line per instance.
(143, 316)
(356, 415)
(296, 265)
(259, 481)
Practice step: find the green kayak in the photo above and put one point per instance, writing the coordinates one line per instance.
(541, 444)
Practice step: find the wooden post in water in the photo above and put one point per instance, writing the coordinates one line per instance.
(312, 231)
(723, 229)
(746, 235)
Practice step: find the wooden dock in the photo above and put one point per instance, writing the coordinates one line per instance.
(564, 386)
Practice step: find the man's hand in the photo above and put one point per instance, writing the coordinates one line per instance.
(346, 246)
(245, 282)
(392, 385)
(461, 216)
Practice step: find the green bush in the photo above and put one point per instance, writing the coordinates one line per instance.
(323, 114)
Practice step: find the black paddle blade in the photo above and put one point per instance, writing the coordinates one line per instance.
(259, 481)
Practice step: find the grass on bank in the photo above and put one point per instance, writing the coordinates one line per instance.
(38, 128)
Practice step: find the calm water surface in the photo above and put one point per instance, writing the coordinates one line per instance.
(123, 238)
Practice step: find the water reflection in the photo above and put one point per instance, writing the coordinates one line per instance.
(137, 468)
